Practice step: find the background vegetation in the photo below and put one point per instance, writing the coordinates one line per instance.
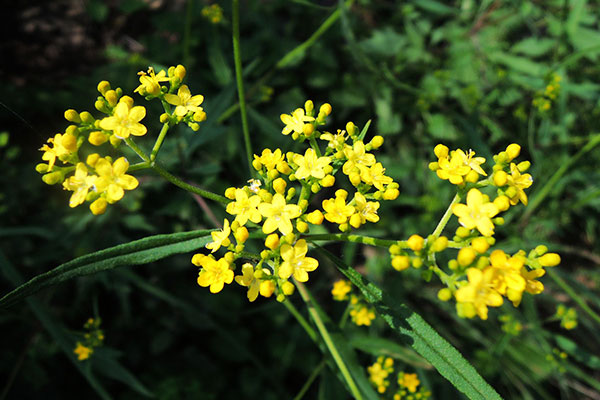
(464, 73)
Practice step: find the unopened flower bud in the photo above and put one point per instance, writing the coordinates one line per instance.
(400, 263)
(376, 142)
(272, 241)
(523, 166)
(111, 97)
(86, 117)
(288, 288)
(480, 245)
(391, 194)
(279, 185)
(466, 256)
(308, 129)
(301, 226)
(355, 221)
(230, 193)
(351, 128)
(328, 181)
(439, 244)
(241, 234)
(315, 217)
(541, 250)
(415, 242)
(266, 288)
(92, 159)
(97, 138)
(309, 107)
(502, 203)
(341, 193)
(257, 164)
(512, 151)
(325, 109)
(179, 72)
(549, 260)
(199, 116)
(98, 206)
(500, 178)
(72, 116)
(41, 168)
(354, 178)
(440, 151)
(272, 174)
(444, 294)
(103, 87)
(53, 178)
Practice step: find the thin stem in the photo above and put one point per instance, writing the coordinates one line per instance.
(159, 141)
(301, 320)
(571, 292)
(345, 237)
(138, 166)
(172, 178)
(445, 218)
(310, 380)
(328, 341)
(314, 145)
(240, 82)
(551, 183)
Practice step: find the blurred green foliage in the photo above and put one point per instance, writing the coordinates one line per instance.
(463, 73)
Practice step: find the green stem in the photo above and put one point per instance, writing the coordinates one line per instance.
(345, 237)
(314, 145)
(159, 141)
(172, 178)
(240, 83)
(445, 218)
(328, 341)
(571, 292)
(301, 320)
(138, 166)
(310, 380)
(551, 183)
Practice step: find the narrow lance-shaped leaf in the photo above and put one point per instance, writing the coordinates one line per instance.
(138, 252)
(421, 336)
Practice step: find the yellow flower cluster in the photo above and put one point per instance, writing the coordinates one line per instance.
(361, 313)
(94, 337)
(543, 99)
(567, 316)
(99, 180)
(407, 384)
(213, 13)
(278, 205)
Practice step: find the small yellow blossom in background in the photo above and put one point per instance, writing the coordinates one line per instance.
(125, 120)
(408, 381)
(214, 13)
(150, 82)
(184, 101)
(80, 184)
(477, 213)
(83, 352)
(278, 215)
(360, 313)
(379, 372)
(113, 180)
(214, 273)
(567, 316)
(295, 121)
(295, 263)
(341, 290)
(220, 238)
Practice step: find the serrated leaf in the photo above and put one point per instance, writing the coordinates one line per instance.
(414, 331)
(378, 346)
(138, 252)
(519, 64)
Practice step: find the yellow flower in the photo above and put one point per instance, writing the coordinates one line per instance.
(295, 263)
(375, 176)
(335, 141)
(278, 215)
(341, 289)
(532, 286)
(477, 213)
(456, 166)
(220, 238)
(249, 280)
(517, 183)
(507, 274)
(295, 121)
(80, 184)
(184, 101)
(62, 147)
(244, 207)
(379, 372)
(311, 165)
(150, 82)
(336, 210)
(409, 381)
(113, 180)
(269, 159)
(83, 352)
(362, 315)
(125, 121)
(479, 293)
(356, 156)
(214, 273)
(365, 210)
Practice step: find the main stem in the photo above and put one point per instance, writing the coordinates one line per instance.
(240, 82)
(444, 221)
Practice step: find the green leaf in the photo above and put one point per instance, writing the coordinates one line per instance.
(572, 25)
(533, 47)
(413, 330)
(441, 127)
(378, 346)
(138, 252)
(580, 354)
(519, 64)
(435, 7)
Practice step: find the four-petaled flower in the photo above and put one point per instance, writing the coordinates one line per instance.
(62, 147)
(278, 215)
(366, 210)
(336, 210)
(357, 157)
(214, 273)
(311, 165)
(80, 184)
(125, 121)
(150, 82)
(244, 207)
(477, 213)
(518, 182)
(184, 101)
(375, 175)
(295, 121)
(248, 280)
(479, 293)
(113, 180)
(341, 289)
(295, 263)
(220, 238)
